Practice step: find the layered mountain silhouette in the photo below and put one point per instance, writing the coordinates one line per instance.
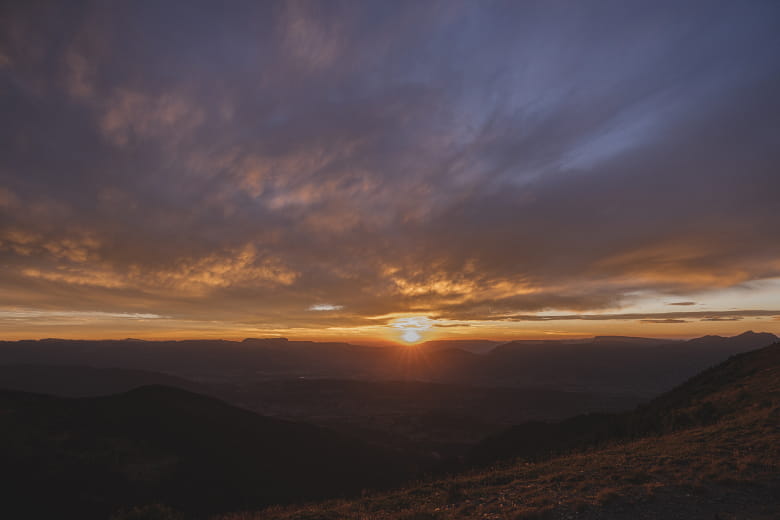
(709, 449)
(430, 421)
(85, 381)
(634, 365)
(476, 346)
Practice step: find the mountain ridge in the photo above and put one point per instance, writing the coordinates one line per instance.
(604, 365)
(726, 466)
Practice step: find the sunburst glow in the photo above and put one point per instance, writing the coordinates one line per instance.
(412, 328)
(411, 336)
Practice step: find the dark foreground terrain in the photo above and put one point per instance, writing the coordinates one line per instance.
(86, 458)
(709, 447)
(721, 462)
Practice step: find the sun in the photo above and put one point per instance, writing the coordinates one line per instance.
(411, 336)
(412, 328)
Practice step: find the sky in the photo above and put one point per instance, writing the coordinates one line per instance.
(389, 171)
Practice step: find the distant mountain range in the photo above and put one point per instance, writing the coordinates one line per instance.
(476, 346)
(605, 364)
(85, 381)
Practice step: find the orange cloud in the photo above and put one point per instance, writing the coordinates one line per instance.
(130, 113)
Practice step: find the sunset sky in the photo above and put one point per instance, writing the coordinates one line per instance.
(381, 171)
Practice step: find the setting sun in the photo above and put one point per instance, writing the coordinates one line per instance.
(411, 336)
(412, 328)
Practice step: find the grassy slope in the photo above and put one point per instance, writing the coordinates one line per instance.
(727, 469)
(681, 408)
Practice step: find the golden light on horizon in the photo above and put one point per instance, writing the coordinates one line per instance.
(412, 328)
(411, 336)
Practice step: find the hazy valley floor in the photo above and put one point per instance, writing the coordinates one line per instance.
(729, 470)
(726, 470)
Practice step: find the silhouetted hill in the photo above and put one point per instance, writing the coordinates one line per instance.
(746, 340)
(630, 340)
(690, 404)
(615, 363)
(431, 421)
(199, 359)
(79, 381)
(476, 346)
(713, 453)
(84, 458)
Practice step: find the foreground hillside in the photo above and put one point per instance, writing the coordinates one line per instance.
(680, 408)
(86, 458)
(725, 465)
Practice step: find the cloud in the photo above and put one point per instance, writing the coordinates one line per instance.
(243, 266)
(451, 325)
(325, 307)
(7, 198)
(468, 162)
(655, 317)
(416, 323)
(79, 75)
(132, 114)
(312, 40)
(15, 314)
